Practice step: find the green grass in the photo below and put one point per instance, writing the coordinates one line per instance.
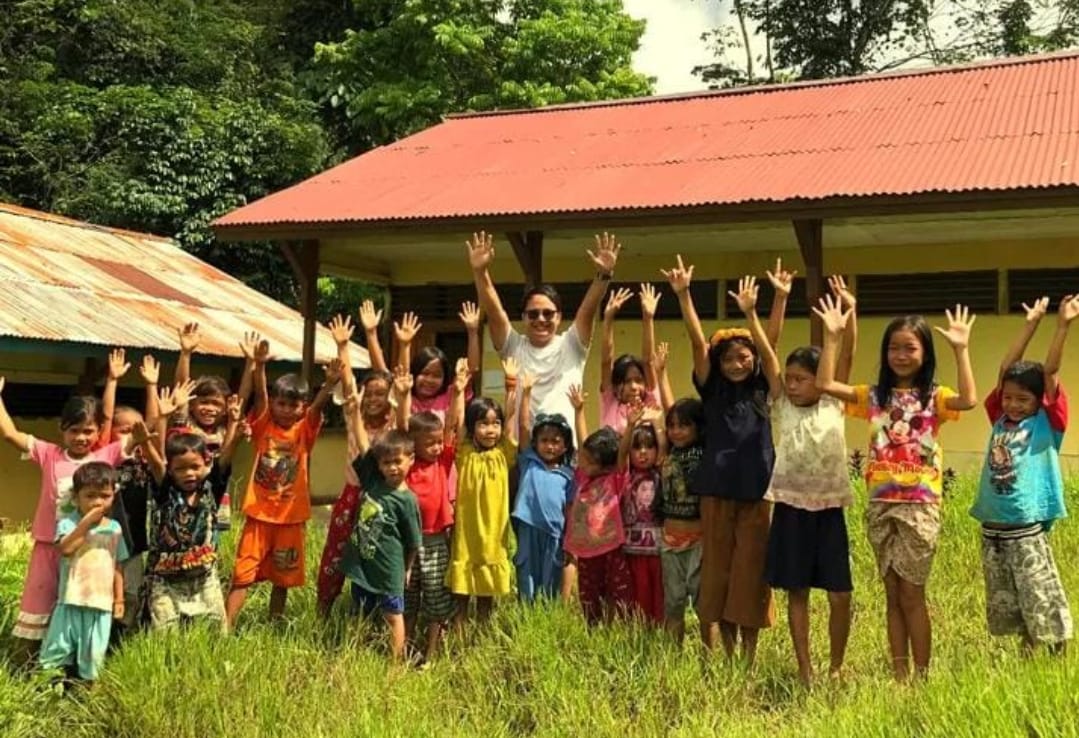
(542, 672)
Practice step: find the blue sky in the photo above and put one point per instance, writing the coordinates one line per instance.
(671, 46)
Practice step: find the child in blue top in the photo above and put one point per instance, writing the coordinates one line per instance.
(1021, 491)
(544, 492)
(91, 591)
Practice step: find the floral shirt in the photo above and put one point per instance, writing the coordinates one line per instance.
(182, 543)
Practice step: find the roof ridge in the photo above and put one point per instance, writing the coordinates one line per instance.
(1004, 61)
(45, 217)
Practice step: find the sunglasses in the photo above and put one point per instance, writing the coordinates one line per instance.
(537, 314)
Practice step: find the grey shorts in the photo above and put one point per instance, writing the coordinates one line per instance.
(1023, 591)
(681, 579)
(427, 592)
(176, 599)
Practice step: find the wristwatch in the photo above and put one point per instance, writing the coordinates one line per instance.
(604, 276)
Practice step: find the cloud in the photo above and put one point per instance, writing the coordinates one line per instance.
(672, 44)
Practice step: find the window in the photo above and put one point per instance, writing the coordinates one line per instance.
(902, 294)
(1027, 285)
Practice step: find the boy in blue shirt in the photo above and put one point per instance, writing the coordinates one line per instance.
(1021, 492)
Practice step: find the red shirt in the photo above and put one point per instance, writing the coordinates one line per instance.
(430, 482)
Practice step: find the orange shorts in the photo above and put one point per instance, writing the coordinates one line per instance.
(272, 552)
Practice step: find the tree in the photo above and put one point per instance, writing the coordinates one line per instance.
(409, 62)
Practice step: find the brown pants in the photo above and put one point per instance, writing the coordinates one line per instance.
(733, 553)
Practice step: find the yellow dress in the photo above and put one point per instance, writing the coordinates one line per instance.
(479, 554)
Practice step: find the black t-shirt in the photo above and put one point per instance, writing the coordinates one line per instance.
(738, 448)
(134, 487)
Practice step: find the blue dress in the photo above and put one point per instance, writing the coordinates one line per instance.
(539, 517)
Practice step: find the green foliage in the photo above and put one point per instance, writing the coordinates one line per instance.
(406, 63)
(542, 672)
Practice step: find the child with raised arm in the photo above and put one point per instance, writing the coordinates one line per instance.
(905, 409)
(382, 549)
(628, 381)
(543, 492)
(640, 452)
(429, 480)
(277, 503)
(1021, 491)
(80, 427)
(808, 545)
(479, 552)
(90, 583)
(181, 569)
(735, 601)
(594, 529)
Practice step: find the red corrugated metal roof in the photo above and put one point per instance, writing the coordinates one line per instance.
(1004, 125)
(63, 280)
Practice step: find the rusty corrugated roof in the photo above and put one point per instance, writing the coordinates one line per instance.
(64, 280)
(1004, 125)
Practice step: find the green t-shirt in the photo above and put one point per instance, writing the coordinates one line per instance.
(387, 529)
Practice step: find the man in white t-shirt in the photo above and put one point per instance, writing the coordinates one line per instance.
(556, 361)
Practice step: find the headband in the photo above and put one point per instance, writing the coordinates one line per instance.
(726, 334)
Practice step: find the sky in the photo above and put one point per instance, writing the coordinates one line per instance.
(671, 46)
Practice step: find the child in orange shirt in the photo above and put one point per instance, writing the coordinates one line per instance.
(277, 503)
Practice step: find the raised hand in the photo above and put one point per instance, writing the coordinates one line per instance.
(576, 396)
(679, 277)
(528, 381)
(1038, 310)
(369, 317)
(140, 434)
(746, 296)
(510, 367)
(470, 315)
(149, 369)
(189, 337)
(659, 358)
(249, 344)
(832, 315)
(481, 250)
(333, 371)
(606, 254)
(649, 300)
(262, 351)
(959, 324)
(171, 399)
(407, 329)
(615, 302)
(234, 406)
(838, 285)
(1069, 309)
(781, 279)
(341, 329)
(402, 381)
(117, 365)
(462, 375)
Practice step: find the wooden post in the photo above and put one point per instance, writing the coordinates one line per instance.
(528, 248)
(304, 260)
(87, 381)
(810, 241)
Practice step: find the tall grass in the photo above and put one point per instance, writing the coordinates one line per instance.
(542, 672)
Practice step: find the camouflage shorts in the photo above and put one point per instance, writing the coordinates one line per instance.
(903, 536)
(1023, 591)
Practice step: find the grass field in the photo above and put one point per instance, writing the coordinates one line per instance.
(541, 672)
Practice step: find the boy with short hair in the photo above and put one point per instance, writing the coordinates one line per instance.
(384, 543)
(277, 503)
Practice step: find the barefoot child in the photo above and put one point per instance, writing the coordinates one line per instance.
(90, 583)
(80, 427)
(903, 476)
(277, 503)
(808, 545)
(1021, 492)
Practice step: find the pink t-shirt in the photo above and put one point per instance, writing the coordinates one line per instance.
(594, 519)
(57, 469)
(612, 413)
(439, 404)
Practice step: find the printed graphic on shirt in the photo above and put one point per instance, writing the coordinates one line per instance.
(638, 513)
(370, 522)
(276, 469)
(90, 571)
(1007, 444)
(905, 457)
(65, 504)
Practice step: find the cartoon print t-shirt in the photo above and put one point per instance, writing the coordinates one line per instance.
(278, 490)
(86, 577)
(639, 514)
(1021, 482)
(387, 528)
(905, 461)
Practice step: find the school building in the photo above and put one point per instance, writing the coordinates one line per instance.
(71, 291)
(926, 188)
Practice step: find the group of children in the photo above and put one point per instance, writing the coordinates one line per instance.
(714, 501)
